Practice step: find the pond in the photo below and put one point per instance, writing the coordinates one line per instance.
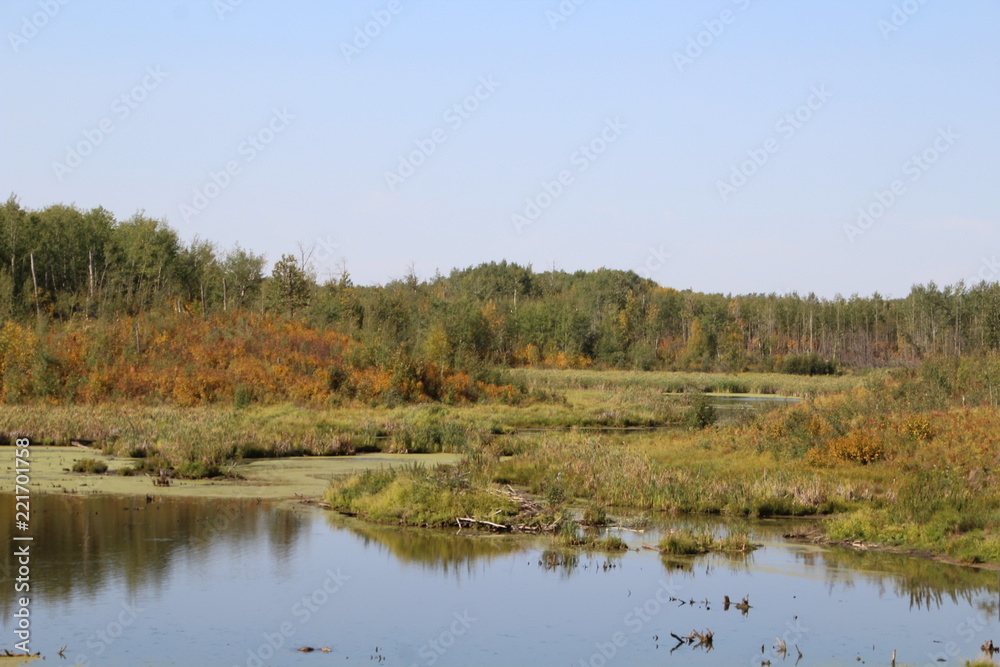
(173, 581)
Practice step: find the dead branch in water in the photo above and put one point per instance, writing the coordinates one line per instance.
(470, 520)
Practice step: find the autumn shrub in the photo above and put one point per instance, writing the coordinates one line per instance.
(918, 427)
(857, 446)
(237, 358)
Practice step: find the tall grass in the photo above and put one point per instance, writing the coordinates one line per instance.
(687, 542)
(685, 382)
(420, 496)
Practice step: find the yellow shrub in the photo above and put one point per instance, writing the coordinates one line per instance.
(919, 427)
(858, 446)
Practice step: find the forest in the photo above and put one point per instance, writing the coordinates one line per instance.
(95, 308)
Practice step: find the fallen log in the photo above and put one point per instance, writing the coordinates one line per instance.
(481, 522)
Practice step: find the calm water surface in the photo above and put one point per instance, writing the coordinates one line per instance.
(179, 582)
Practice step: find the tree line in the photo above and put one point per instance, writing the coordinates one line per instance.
(61, 263)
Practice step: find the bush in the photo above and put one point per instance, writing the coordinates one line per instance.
(152, 464)
(808, 364)
(858, 446)
(594, 514)
(242, 398)
(918, 427)
(91, 466)
(555, 493)
(702, 413)
(197, 470)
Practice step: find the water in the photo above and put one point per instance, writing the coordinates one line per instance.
(121, 581)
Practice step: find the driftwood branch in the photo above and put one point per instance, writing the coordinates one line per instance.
(497, 526)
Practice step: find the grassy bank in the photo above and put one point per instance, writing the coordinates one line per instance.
(895, 461)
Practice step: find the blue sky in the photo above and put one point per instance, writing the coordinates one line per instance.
(725, 146)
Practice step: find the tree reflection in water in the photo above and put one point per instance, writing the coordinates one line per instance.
(927, 583)
(434, 549)
(85, 543)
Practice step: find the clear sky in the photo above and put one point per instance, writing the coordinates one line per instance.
(722, 145)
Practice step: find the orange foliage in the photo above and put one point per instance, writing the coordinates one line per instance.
(193, 361)
(530, 355)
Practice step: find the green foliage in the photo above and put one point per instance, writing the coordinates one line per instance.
(243, 397)
(595, 514)
(555, 492)
(90, 466)
(807, 364)
(568, 534)
(88, 264)
(685, 542)
(197, 470)
(702, 413)
(420, 496)
(611, 543)
(289, 288)
(428, 431)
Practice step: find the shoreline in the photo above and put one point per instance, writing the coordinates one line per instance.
(294, 479)
(303, 480)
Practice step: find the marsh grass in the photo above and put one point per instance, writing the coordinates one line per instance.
(570, 534)
(686, 542)
(682, 382)
(90, 466)
(595, 514)
(420, 496)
